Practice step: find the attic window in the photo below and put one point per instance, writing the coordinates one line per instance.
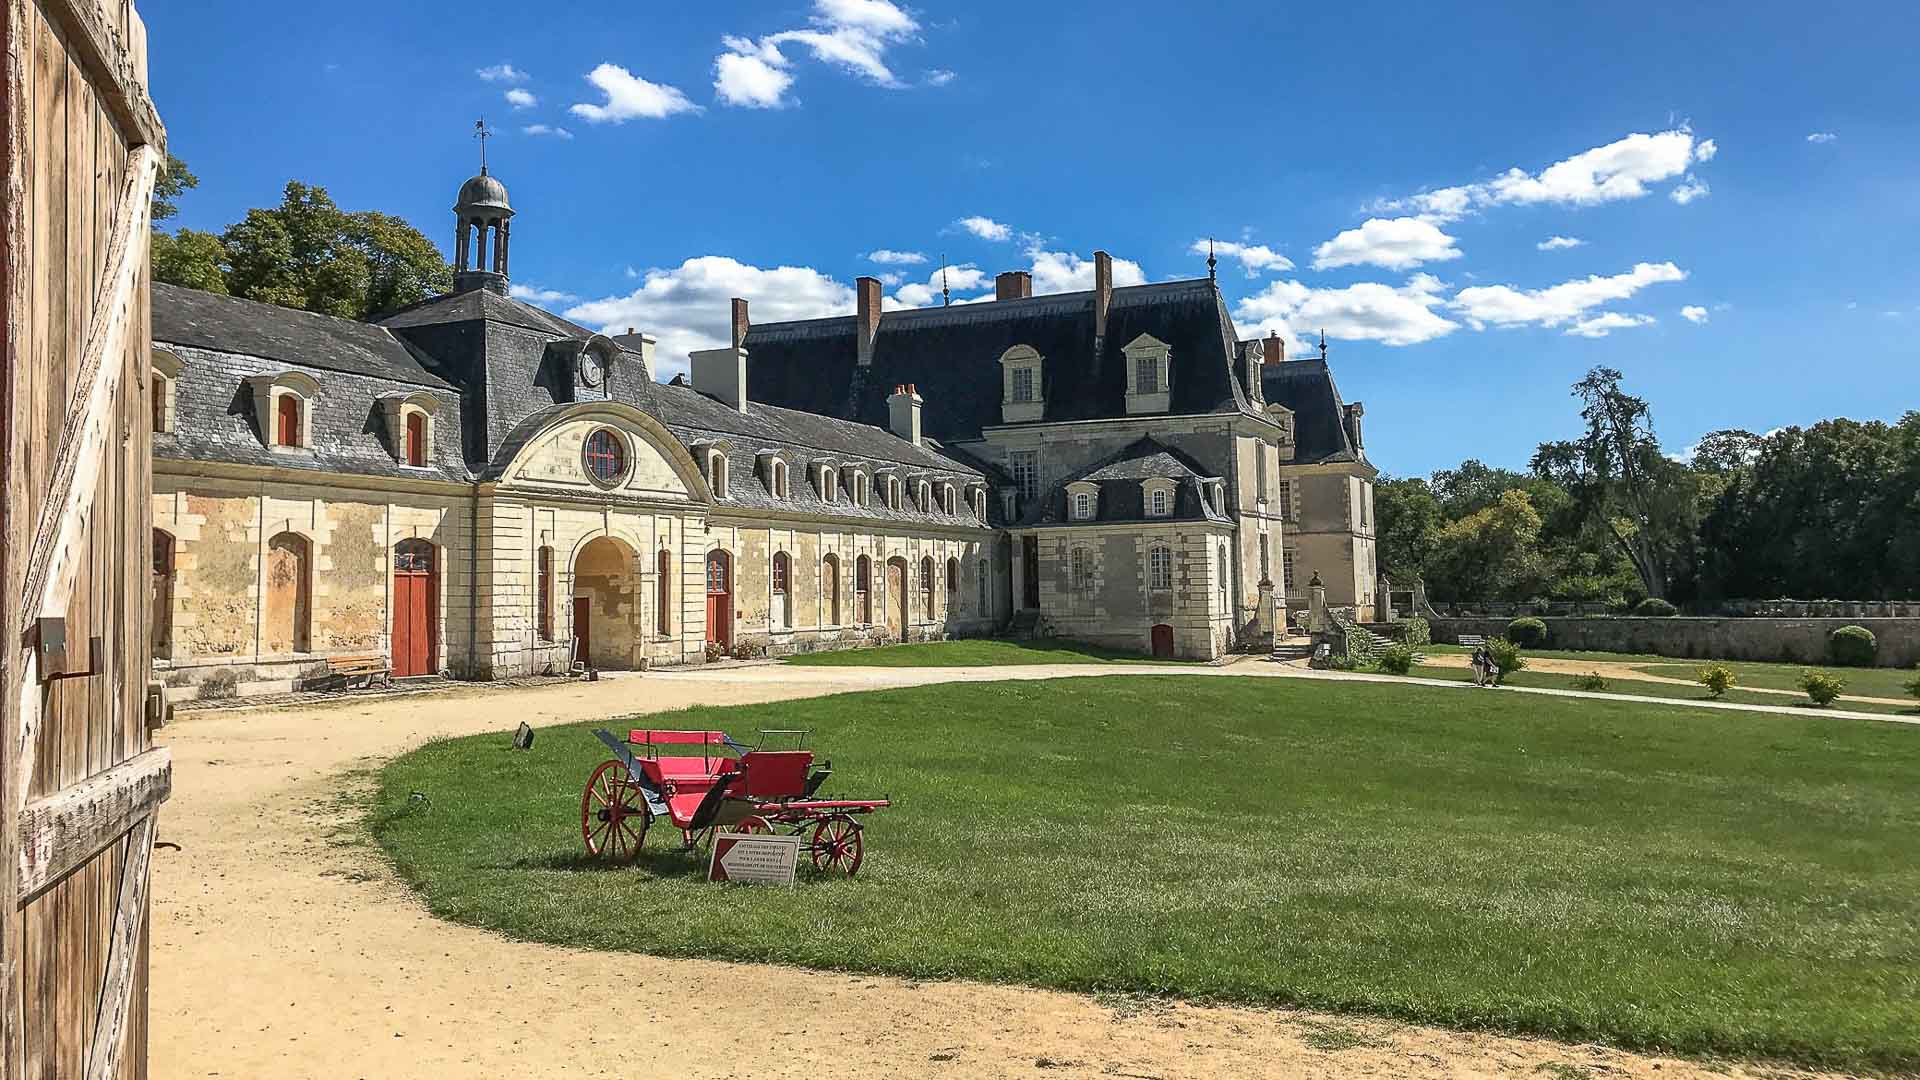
(1023, 385)
(166, 376)
(604, 457)
(1023, 388)
(1160, 502)
(923, 496)
(777, 475)
(287, 427)
(1083, 507)
(1147, 375)
(893, 493)
(946, 498)
(417, 439)
(829, 484)
(980, 503)
(717, 473)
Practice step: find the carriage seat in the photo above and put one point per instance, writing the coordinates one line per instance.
(776, 774)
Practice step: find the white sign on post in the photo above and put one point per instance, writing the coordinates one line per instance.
(754, 858)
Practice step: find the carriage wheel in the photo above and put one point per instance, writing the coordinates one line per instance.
(756, 825)
(612, 822)
(837, 845)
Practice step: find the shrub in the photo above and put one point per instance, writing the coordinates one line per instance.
(1852, 646)
(1416, 631)
(749, 650)
(1506, 657)
(715, 651)
(1527, 632)
(1914, 686)
(1821, 687)
(220, 685)
(1717, 679)
(1396, 659)
(1592, 681)
(1654, 607)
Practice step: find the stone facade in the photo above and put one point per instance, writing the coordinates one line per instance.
(1790, 641)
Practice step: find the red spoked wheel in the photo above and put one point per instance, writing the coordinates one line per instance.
(613, 820)
(756, 825)
(836, 845)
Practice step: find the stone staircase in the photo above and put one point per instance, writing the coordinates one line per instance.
(1286, 650)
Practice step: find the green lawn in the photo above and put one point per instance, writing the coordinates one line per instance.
(1864, 682)
(1648, 876)
(1557, 681)
(976, 653)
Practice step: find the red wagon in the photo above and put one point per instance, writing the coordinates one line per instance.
(720, 786)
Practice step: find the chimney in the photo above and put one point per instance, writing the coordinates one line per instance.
(867, 322)
(722, 374)
(1102, 295)
(1013, 285)
(740, 322)
(903, 413)
(1276, 348)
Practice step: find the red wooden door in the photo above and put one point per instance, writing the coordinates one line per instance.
(719, 599)
(414, 595)
(1163, 641)
(582, 641)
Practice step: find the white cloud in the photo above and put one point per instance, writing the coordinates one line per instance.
(1253, 258)
(1694, 313)
(686, 306)
(1503, 305)
(940, 77)
(506, 73)
(986, 228)
(545, 129)
(1395, 243)
(959, 279)
(1621, 169)
(889, 257)
(851, 34)
(1822, 137)
(1694, 188)
(1607, 322)
(1559, 243)
(533, 294)
(1064, 271)
(521, 99)
(1368, 311)
(630, 96)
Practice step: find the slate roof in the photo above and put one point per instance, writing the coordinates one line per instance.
(475, 304)
(1319, 415)
(229, 324)
(1122, 499)
(952, 354)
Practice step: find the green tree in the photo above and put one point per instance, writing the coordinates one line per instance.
(1410, 521)
(174, 179)
(193, 259)
(1493, 554)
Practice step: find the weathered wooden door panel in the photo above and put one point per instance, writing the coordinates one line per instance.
(1163, 641)
(720, 599)
(415, 591)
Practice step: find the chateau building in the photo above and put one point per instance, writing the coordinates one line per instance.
(474, 486)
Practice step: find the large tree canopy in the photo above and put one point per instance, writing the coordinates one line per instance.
(304, 253)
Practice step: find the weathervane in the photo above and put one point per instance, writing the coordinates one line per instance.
(480, 132)
(945, 300)
(1210, 259)
(1323, 343)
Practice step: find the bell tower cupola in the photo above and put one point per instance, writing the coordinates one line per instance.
(485, 220)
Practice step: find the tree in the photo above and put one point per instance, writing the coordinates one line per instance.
(1727, 451)
(174, 179)
(1616, 473)
(1492, 554)
(1410, 522)
(308, 253)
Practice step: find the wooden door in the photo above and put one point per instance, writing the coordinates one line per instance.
(1163, 641)
(719, 599)
(896, 598)
(81, 782)
(415, 591)
(582, 636)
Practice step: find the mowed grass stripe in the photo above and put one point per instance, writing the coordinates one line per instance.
(1653, 877)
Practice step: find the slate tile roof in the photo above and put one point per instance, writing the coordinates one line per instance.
(1319, 415)
(952, 354)
(297, 338)
(1122, 498)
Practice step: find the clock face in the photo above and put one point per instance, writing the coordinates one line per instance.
(590, 368)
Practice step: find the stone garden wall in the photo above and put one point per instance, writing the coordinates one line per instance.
(1784, 640)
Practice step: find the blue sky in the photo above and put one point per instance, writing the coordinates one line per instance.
(1740, 178)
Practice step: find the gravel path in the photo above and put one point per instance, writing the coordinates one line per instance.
(284, 946)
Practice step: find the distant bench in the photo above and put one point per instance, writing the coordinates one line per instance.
(367, 666)
(1472, 641)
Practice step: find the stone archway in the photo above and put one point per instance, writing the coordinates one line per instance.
(606, 605)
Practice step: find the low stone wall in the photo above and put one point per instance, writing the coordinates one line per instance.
(1792, 641)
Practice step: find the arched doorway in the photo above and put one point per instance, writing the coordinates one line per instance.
(606, 605)
(1163, 641)
(286, 625)
(830, 589)
(416, 595)
(863, 590)
(720, 598)
(897, 600)
(162, 594)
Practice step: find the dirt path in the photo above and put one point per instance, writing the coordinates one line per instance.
(283, 947)
(1614, 669)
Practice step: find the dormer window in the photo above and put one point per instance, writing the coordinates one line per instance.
(166, 376)
(773, 472)
(980, 503)
(1159, 492)
(1083, 501)
(717, 473)
(1023, 394)
(1148, 375)
(409, 419)
(779, 478)
(947, 498)
(923, 497)
(283, 402)
(893, 493)
(828, 484)
(416, 440)
(857, 484)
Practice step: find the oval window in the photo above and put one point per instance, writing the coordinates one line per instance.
(606, 460)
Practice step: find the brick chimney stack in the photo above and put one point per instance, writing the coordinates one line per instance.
(903, 413)
(1276, 348)
(1102, 296)
(867, 321)
(1013, 285)
(740, 322)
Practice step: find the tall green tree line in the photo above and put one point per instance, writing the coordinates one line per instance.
(304, 253)
(1826, 512)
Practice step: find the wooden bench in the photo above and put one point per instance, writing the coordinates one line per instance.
(1472, 641)
(367, 666)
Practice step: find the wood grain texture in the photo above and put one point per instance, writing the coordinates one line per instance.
(125, 945)
(65, 829)
(100, 43)
(14, 525)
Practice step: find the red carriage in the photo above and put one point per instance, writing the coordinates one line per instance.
(722, 787)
